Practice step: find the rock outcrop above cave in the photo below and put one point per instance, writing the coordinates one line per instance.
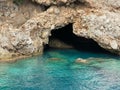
(24, 34)
(104, 29)
(54, 2)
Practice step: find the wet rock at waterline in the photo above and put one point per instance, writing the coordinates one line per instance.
(23, 33)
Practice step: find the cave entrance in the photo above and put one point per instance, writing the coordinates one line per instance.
(64, 38)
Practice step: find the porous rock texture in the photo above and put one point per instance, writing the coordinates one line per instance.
(24, 33)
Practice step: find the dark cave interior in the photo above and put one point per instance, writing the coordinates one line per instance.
(66, 35)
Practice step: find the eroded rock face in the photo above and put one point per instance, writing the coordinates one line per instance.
(30, 38)
(90, 19)
(104, 29)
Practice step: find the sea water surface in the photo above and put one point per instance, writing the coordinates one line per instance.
(57, 70)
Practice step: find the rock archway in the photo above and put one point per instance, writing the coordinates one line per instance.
(64, 38)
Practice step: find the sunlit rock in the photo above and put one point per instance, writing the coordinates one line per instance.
(25, 29)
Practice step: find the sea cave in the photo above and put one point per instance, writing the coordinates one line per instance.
(68, 61)
(63, 38)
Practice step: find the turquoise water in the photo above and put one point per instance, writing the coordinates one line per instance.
(57, 70)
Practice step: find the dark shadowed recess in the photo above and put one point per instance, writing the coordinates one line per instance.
(27, 2)
(66, 35)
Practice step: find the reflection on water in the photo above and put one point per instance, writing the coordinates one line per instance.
(57, 70)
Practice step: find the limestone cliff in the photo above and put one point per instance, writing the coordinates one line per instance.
(25, 28)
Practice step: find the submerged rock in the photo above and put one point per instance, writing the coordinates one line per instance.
(80, 60)
(23, 33)
(54, 59)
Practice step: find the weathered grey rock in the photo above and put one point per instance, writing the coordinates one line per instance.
(104, 29)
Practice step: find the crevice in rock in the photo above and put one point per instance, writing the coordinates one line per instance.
(39, 6)
(42, 7)
(82, 3)
(64, 38)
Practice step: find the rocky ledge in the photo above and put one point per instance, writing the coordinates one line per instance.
(25, 28)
